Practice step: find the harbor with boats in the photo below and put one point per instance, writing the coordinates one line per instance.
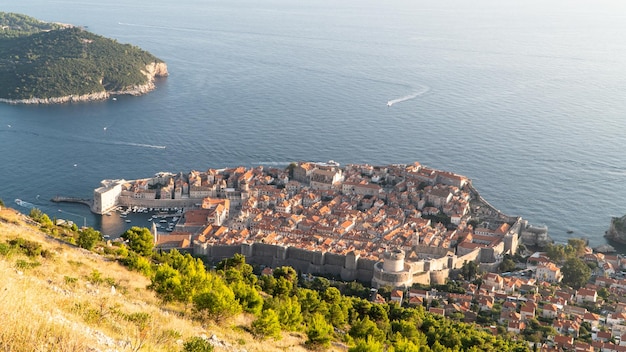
(163, 219)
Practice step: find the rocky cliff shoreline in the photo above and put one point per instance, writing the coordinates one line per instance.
(617, 230)
(152, 71)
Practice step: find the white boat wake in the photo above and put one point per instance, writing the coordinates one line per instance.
(424, 90)
(24, 204)
(130, 144)
(142, 145)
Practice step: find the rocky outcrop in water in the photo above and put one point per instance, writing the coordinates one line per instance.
(617, 230)
(152, 71)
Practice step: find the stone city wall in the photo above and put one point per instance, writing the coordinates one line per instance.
(417, 267)
(469, 257)
(439, 277)
(347, 267)
(303, 255)
(422, 278)
(489, 267)
(334, 259)
(435, 264)
(222, 252)
(366, 264)
(303, 260)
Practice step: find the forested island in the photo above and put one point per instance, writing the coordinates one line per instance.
(42, 63)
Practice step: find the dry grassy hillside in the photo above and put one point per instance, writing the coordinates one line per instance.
(68, 299)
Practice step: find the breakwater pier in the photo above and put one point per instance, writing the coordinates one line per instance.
(84, 201)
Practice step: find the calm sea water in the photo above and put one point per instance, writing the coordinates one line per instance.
(526, 98)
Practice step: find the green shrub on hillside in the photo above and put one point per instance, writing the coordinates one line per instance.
(87, 238)
(197, 344)
(319, 332)
(267, 325)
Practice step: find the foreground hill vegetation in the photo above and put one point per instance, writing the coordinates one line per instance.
(43, 60)
(169, 301)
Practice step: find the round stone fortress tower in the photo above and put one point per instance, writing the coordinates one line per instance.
(392, 271)
(393, 261)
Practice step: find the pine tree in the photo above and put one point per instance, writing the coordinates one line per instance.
(217, 302)
(139, 240)
(267, 325)
(319, 332)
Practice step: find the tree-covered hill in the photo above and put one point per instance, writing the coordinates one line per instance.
(15, 25)
(39, 60)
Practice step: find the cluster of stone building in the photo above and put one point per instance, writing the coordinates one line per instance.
(534, 294)
(358, 222)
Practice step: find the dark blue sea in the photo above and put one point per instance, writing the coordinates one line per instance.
(527, 98)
